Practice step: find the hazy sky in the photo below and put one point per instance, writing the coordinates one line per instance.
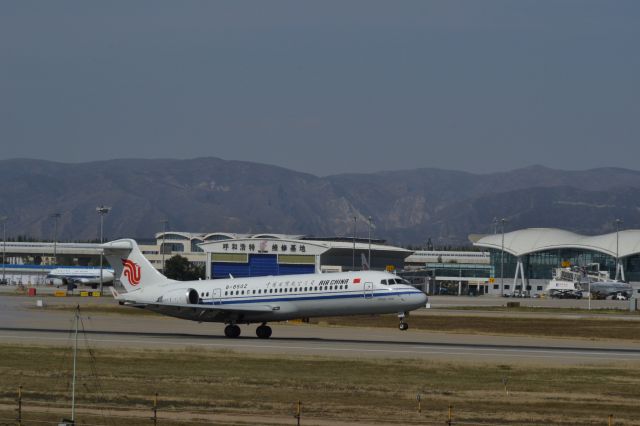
(325, 86)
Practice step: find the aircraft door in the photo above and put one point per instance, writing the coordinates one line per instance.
(217, 296)
(368, 290)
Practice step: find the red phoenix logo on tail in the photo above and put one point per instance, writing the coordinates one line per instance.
(131, 271)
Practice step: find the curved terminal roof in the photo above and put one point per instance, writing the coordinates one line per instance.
(218, 236)
(278, 236)
(531, 240)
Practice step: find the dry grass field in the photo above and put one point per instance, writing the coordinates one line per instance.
(597, 328)
(224, 387)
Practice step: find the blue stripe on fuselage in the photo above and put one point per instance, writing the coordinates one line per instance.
(289, 298)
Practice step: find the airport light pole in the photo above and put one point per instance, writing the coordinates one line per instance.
(164, 222)
(102, 211)
(502, 221)
(618, 222)
(55, 217)
(3, 219)
(355, 222)
(370, 223)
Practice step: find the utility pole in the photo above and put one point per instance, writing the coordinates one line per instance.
(3, 219)
(75, 358)
(370, 223)
(502, 221)
(618, 222)
(355, 222)
(298, 414)
(55, 217)
(102, 211)
(19, 418)
(155, 409)
(164, 222)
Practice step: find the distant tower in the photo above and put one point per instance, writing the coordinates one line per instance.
(429, 244)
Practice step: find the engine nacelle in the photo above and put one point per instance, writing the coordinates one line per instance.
(181, 296)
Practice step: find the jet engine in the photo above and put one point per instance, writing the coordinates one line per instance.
(182, 296)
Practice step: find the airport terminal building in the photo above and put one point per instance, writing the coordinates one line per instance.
(245, 255)
(528, 258)
(530, 255)
(223, 254)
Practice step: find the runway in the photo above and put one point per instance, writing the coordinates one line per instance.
(22, 323)
(327, 346)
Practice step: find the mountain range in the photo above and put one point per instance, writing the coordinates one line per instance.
(210, 194)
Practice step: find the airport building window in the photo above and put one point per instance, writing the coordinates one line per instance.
(539, 288)
(496, 286)
(507, 286)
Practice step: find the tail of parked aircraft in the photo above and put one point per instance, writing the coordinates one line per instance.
(130, 266)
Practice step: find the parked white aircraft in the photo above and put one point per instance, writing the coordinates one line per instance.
(258, 299)
(86, 276)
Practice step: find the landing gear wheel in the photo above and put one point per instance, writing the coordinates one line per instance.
(263, 331)
(404, 326)
(232, 330)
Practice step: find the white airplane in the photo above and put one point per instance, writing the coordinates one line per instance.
(236, 301)
(87, 276)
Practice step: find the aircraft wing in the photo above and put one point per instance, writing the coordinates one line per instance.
(200, 312)
(215, 313)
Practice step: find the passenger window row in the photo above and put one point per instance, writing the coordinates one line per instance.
(284, 290)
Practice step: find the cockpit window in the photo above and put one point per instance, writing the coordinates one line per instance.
(383, 282)
(392, 281)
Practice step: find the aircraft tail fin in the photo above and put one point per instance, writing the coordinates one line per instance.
(130, 266)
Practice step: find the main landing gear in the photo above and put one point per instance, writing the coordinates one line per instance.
(403, 325)
(232, 330)
(263, 331)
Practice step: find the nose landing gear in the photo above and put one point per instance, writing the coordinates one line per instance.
(263, 331)
(403, 325)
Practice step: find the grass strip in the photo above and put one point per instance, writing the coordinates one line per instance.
(598, 328)
(194, 383)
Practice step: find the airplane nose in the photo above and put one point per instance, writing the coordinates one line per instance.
(422, 298)
(417, 298)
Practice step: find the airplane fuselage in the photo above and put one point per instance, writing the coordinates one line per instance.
(285, 297)
(80, 275)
